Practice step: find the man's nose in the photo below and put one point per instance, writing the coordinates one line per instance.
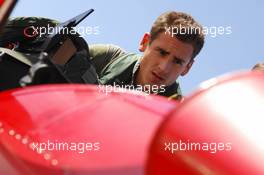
(165, 66)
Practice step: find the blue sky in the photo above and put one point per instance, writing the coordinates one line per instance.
(123, 23)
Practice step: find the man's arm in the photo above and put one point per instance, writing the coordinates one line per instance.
(102, 54)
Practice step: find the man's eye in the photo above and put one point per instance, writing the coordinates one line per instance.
(178, 61)
(162, 53)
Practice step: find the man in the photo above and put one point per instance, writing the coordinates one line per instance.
(168, 52)
(258, 67)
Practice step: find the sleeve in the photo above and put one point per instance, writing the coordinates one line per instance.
(102, 54)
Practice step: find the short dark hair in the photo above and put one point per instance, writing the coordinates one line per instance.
(259, 66)
(177, 22)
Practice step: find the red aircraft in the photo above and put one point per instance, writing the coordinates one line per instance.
(217, 130)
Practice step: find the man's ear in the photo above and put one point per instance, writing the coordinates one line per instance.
(188, 67)
(144, 42)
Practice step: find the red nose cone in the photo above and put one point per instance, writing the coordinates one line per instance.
(77, 129)
(218, 130)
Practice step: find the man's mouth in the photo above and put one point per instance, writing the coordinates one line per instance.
(157, 76)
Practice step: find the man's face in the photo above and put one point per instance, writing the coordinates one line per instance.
(163, 60)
